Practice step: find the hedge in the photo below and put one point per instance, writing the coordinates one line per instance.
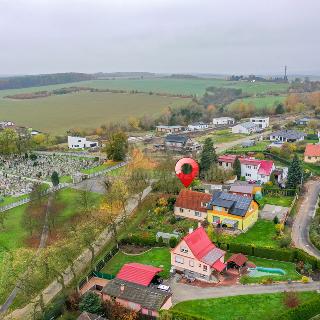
(287, 255)
(303, 312)
(178, 315)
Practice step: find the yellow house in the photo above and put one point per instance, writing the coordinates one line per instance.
(232, 210)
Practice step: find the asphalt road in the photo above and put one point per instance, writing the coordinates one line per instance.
(301, 225)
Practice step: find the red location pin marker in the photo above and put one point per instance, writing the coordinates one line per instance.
(182, 166)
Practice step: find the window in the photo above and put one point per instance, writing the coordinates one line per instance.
(255, 167)
(184, 249)
(191, 263)
(179, 259)
(181, 209)
(248, 174)
(202, 276)
(249, 167)
(205, 268)
(218, 208)
(197, 214)
(199, 265)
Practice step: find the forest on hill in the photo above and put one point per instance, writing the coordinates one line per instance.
(42, 80)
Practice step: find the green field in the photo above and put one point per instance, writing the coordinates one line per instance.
(85, 110)
(261, 102)
(245, 307)
(157, 257)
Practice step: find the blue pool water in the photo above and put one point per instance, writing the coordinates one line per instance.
(261, 271)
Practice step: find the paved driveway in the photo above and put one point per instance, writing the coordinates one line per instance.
(306, 211)
(184, 292)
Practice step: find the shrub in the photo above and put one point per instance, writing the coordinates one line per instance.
(173, 242)
(160, 241)
(91, 302)
(302, 312)
(177, 315)
(291, 299)
(284, 242)
(241, 248)
(305, 279)
(136, 239)
(276, 220)
(172, 220)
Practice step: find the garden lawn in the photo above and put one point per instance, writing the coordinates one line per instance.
(284, 201)
(260, 146)
(99, 168)
(262, 233)
(288, 267)
(245, 307)
(157, 257)
(70, 200)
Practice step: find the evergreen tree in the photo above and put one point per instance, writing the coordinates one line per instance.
(208, 156)
(294, 173)
(279, 109)
(237, 168)
(55, 178)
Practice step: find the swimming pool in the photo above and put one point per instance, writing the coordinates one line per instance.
(262, 271)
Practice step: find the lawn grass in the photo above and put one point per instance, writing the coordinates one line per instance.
(260, 146)
(221, 136)
(288, 267)
(157, 257)
(284, 201)
(262, 233)
(245, 307)
(10, 199)
(99, 168)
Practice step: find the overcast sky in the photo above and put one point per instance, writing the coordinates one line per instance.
(205, 36)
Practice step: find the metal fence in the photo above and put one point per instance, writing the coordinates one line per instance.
(95, 272)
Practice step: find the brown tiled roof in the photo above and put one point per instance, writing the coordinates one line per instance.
(239, 259)
(189, 199)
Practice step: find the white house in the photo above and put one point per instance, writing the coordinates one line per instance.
(198, 126)
(252, 169)
(287, 136)
(261, 122)
(245, 127)
(223, 121)
(81, 143)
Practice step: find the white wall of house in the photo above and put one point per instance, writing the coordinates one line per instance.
(196, 127)
(80, 143)
(282, 139)
(261, 122)
(223, 121)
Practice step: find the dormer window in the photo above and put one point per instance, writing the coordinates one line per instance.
(184, 249)
(204, 204)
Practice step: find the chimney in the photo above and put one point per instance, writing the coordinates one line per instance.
(122, 288)
(190, 230)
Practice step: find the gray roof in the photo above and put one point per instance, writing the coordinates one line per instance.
(176, 138)
(289, 134)
(147, 297)
(242, 188)
(235, 204)
(212, 256)
(168, 127)
(248, 125)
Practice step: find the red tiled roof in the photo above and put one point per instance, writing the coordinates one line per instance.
(219, 266)
(199, 243)
(239, 259)
(266, 167)
(138, 273)
(312, 150)
(227, 158)
(192, 200)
